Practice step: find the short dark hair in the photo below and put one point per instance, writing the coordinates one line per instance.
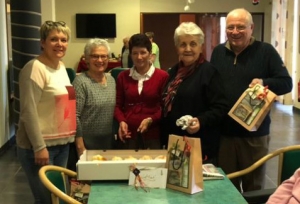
(140, 40)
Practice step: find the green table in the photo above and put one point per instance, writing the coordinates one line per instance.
(215, 192)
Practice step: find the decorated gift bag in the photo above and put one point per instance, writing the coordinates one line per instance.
(252, 107)
(184, 163)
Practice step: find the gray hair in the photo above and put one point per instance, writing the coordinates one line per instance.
(94, 43)
(242, 12)
(188, 28)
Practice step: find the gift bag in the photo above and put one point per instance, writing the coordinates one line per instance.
(184, 164)
(80, 190)
(252, 107)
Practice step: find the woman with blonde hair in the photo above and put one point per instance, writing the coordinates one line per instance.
(47, 121)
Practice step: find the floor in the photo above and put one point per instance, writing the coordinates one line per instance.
(284, 131)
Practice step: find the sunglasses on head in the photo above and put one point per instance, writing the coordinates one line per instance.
(55, 23)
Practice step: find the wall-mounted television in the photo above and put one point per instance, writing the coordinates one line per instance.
(92, 25)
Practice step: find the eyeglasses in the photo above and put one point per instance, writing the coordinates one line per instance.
(96, 57)
(192, 44)
(55, 23)
(238, 28)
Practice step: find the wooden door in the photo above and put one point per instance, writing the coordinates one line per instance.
(163, 25)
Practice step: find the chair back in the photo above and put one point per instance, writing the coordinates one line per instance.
(290, 163)
(116, 71)
(71, 74)
(286, 162)
(53, 178)
(58, 180)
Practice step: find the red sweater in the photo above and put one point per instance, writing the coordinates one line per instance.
(132, 107)
(82, 66)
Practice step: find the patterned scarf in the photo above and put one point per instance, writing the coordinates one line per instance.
(171, 90)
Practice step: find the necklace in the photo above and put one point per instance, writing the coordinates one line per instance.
(102, 81)
(103, 84)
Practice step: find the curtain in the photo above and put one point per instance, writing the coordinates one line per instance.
(210, 25)
(282, 36)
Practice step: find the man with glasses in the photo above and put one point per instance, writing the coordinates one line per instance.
(244, 62)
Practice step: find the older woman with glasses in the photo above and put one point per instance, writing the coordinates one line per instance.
(47, 121)
(194, 92)
(95, 99)
(138, 105)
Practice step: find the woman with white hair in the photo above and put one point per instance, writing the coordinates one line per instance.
(194, 88)
(95, 99)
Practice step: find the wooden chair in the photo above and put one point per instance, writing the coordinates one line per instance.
(288, 163)
(53, 178)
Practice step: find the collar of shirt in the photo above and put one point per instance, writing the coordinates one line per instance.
(141, 78)
(227, 44)
(136, 76)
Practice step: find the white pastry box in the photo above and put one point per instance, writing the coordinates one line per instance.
(87, 169)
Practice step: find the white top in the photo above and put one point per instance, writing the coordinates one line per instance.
(47, 107)
(141, 78)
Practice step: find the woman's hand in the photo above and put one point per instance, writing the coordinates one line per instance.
(124, 133)
(42, 157)
(79, 145)
(194, 126)
(145, 124)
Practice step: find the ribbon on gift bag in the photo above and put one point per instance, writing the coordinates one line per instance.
(184, 163)
(257, 95)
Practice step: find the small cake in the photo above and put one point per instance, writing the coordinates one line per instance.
(160, 157)
(98, 157)
(146, 157)
(130, 158)
(115, 158)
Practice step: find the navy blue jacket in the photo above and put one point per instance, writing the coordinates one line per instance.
(258, 60)
(199, 95)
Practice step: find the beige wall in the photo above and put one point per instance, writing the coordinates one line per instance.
(128, 16)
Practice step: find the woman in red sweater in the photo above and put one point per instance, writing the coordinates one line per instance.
(139, 91)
